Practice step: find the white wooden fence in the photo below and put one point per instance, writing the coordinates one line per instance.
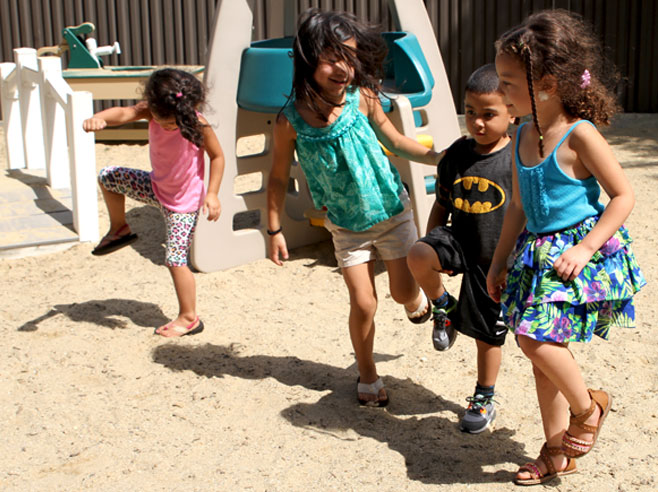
(42, 119)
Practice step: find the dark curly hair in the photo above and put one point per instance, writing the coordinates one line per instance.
(170, 92)
(320, 33)
(561, 44)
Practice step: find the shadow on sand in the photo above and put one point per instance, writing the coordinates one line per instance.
(107, 313)
(434, 450)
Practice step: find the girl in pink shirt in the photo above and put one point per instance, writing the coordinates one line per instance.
(178, 137)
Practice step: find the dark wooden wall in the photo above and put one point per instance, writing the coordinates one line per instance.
(176, 31)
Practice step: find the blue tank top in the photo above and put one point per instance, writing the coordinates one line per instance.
(346, 169)
(551, 199)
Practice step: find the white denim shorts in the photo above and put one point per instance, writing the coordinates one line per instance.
(389, 240)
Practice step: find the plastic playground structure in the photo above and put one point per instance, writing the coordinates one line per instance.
(247, 84)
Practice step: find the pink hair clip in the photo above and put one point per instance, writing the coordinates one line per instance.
(180, 94)
(585, 79)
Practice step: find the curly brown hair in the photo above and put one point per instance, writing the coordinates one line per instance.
(559, 43)
(172, 92)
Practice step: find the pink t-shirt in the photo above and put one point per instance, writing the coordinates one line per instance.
(177, 175)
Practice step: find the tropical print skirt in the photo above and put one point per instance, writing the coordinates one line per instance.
(539, 304)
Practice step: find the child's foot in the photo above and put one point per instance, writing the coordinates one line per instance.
(371, 394)
(550, 464)
(443, 333)
(584, 428)
(423, 312)
(479, 415)
(113, 241)
(174, 329)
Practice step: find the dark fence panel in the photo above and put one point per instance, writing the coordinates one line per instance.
(155, 32)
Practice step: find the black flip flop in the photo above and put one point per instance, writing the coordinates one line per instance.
(114, 245)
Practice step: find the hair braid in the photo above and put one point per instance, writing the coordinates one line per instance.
(527, 58)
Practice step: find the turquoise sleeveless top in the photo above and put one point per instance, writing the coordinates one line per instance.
(551, 199)
(346, 170)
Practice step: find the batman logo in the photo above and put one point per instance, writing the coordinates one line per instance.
(493, 196)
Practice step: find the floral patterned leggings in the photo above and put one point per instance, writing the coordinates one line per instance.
(136, 184)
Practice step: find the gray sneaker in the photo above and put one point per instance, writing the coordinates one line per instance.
(443, 333)
(479, 415)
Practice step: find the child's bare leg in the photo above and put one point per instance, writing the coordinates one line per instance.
(403, 286)
(554, 414)
(186, 292)
(116, 208)
(425, 266)
(488, 361)
(360, 280)
(557, 364)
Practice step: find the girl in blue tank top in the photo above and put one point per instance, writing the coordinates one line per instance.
(574, 273)
(333, 121)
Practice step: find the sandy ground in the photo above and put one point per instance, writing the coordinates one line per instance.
(264, 398)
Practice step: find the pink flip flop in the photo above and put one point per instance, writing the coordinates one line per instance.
(182, 330)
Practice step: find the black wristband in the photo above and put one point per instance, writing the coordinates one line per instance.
(274, 233)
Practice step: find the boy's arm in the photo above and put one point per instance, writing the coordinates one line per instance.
(118, 115)
(438, 216)
(283, 149)
(440, 212)
(211, 204)
(391, 138)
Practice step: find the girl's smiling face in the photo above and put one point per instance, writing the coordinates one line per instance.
(514, 84)
(333, 75)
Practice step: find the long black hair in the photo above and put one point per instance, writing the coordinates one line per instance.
(322, 33)
(170, 92)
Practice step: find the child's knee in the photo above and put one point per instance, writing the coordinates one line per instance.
(102, 176)
(421, 257)
(364, 306)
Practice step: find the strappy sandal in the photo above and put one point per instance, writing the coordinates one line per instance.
(537, 477)
(370, 389)
(422, 312)
(574, 447)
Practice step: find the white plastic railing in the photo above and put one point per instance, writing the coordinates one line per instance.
(42, 120)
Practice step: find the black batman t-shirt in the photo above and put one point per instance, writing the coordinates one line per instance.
(476, 190)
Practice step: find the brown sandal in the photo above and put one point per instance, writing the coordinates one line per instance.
(574, 447)
(535, 473)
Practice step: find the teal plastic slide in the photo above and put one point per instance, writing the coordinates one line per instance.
(267, 69)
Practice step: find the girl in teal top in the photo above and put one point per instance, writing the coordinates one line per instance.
(334, 120)
(574, 273)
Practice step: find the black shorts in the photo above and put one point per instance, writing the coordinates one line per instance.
(477, 315)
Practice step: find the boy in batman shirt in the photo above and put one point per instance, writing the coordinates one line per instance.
(473, 188)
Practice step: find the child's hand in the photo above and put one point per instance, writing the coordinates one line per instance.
(93, 124)
(496, 281)
(212, 207)
(278, 248)
(570, 263)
